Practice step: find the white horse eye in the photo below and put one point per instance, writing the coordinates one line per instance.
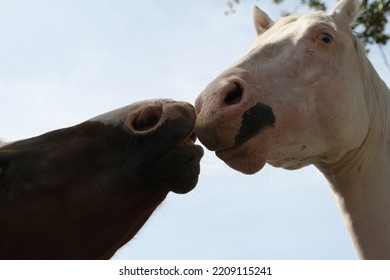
(326, 38)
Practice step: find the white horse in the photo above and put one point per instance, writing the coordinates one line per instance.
(307, 94)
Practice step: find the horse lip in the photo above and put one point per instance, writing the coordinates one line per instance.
(233, 152)
(228, 154)
(190, 140)
(247, 157)
(239, 144)
(220, 153)
(190, 143)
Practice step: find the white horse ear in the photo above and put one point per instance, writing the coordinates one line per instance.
(346, 10)
(262, 20)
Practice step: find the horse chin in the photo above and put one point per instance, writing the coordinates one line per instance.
(248, 157)
(182, 177)
(245, 166)
(290, 163)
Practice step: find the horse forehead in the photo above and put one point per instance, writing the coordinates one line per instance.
(294, 26)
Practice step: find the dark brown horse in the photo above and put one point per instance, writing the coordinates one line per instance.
(83, 192)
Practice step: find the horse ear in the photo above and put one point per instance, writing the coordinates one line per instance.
(262, 20)
(346, 10)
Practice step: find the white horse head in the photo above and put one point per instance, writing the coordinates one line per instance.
(311, 71)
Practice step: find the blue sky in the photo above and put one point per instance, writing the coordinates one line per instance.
(65, 61)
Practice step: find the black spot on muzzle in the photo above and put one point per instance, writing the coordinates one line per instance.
(254, 120)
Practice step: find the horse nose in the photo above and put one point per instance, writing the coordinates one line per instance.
(228, 115)
(147, 118)
(154, 114)
(232, 94)
(228, 94)
(218, 107)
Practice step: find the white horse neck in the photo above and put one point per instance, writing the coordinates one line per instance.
(361, 179)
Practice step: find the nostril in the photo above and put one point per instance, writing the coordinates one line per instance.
(234, 95)
(147, 118)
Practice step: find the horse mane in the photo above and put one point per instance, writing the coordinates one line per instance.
(374, 83)
(376, 90)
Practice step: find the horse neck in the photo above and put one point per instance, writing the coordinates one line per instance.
(361, 179)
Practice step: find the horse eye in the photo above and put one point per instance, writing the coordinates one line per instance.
(326, 38)
(2, 170)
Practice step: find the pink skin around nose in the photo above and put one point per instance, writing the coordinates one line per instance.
(221, 109)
